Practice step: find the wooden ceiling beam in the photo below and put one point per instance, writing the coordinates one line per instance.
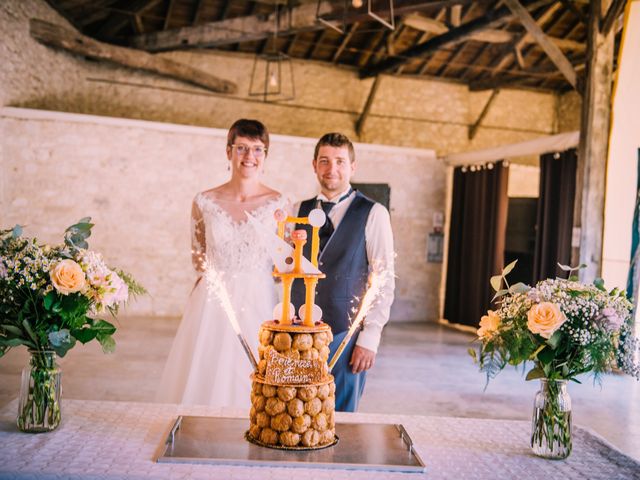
(318, 43)
(71, 41)
(138, 26)
(345, 41)
(119, 20)
(167, 17)
(509, 54)
(257, 27)
(197, 16)
(554, 53)
(491, 19)
(615, 10)
(367, 107)
(376, 42)
(441, 14)
(571, 6)
(442, 71)
(232, 30)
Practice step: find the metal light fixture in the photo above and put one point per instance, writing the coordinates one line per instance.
(272, 74)
(341, 26)
(272, 78)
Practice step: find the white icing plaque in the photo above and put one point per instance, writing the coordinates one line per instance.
(283, 370)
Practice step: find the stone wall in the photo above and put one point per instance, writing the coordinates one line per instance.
(167, 165)
(406, 111)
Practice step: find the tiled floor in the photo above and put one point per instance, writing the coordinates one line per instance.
(421, 369)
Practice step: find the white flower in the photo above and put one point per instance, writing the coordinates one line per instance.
(116, 292)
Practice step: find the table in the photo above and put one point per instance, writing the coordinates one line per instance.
(114, 440)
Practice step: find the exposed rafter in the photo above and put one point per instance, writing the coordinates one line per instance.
(554, 53)
(59, 37)
(119, 20)
(491, 19)
(615, 10)
(231, 30)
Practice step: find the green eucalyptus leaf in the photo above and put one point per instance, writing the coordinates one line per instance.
(27, 328)
(84, 335)
(61, 341)
(12, 329)
(48, 300)
(473, 354)
(519, 288)
(499, 294)
(496, 282)
(508, 268)
(546, 356)
(599, 284)
(15, 342)
(107, 342)
(103, 327)
(554, 341)
(17, 231)
(535, 373)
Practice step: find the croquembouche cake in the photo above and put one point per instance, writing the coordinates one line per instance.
(293, 392)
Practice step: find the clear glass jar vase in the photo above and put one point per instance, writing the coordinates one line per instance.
(551, 423)
(40, 390)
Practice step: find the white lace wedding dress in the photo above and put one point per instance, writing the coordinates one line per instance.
(207, 364)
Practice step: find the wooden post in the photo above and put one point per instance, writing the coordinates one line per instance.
(592, 150)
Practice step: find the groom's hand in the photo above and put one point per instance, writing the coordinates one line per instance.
(362, 359)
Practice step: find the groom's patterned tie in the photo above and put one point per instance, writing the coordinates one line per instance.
(327, 229)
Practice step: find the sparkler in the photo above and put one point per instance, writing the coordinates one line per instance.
(215, 285)
(377, 281)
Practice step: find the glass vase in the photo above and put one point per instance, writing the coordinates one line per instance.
(39, 402)
(551, 424)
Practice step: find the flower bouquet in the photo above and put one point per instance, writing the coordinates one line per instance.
(565, 328)
(50, 298)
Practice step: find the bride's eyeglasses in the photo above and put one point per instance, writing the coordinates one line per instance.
(257, 150)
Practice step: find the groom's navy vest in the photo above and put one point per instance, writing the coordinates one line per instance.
(343, 260)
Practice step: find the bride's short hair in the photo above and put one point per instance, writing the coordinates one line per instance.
(253, 129)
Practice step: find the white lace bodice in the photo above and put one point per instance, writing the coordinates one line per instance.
(232, 246)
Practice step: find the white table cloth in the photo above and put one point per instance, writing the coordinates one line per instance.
(114, 440)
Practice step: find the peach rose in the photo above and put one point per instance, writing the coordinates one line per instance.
(545, 318)
(67, 277)
(489, 324)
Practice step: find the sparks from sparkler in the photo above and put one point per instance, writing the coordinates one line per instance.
(215, 285)
(377, 280)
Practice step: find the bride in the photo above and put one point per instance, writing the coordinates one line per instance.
(206, 364)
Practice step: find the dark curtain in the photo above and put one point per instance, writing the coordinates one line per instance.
(476, 241)
(555, 214)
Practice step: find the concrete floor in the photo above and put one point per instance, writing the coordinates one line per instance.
(422, 369)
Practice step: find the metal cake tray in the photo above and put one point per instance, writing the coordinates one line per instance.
(362, 446)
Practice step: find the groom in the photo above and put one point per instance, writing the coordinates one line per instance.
(356, 236)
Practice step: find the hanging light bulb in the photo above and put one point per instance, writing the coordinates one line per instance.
(273, 79)
(505, 164)
(490, 166)
(473, 168)
(356, 3)
(464, 169)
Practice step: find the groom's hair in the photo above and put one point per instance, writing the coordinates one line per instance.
(335, 140)
(253, 129)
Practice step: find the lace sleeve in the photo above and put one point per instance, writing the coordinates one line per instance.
(198, 239)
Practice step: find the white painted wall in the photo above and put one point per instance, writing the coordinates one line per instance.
(622, 163)
(136, 179)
